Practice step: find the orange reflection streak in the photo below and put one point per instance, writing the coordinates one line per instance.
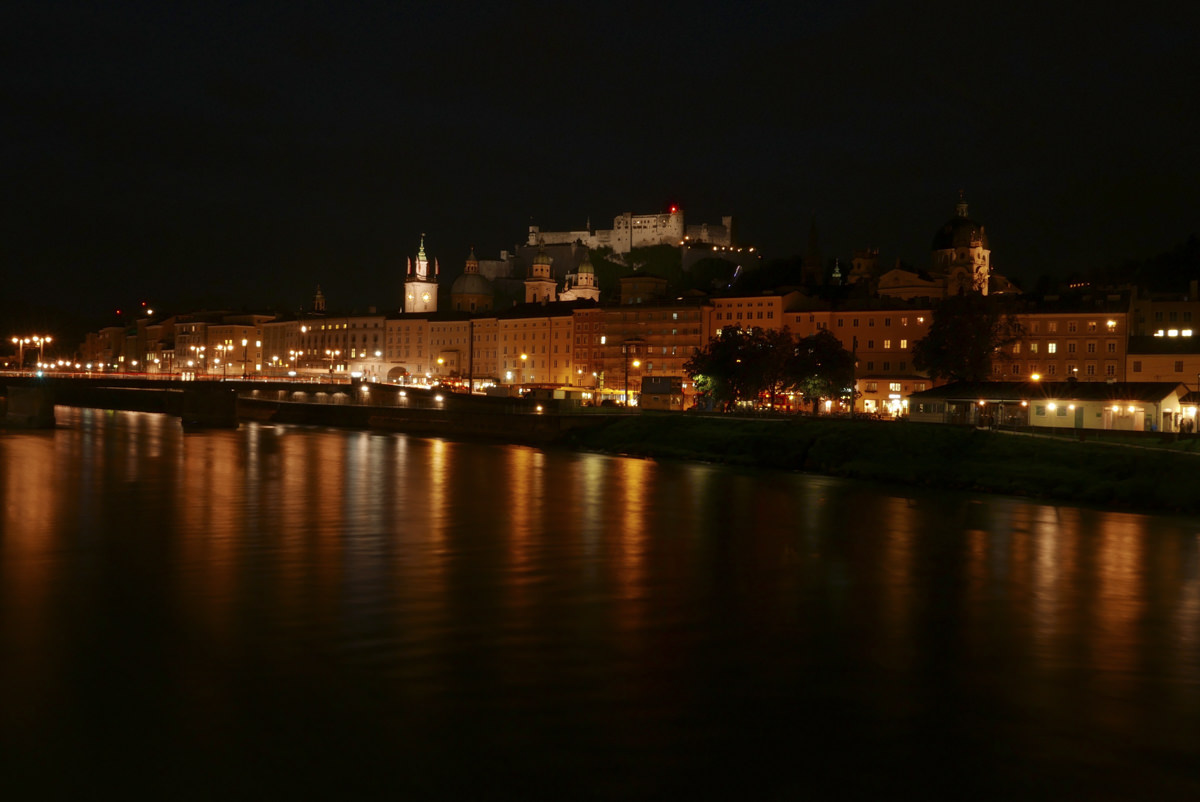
(1187, 610)
(1046, 577)
(30, 506)
(1120, 600)
(525, 498)
(441, 490)
(636, 479)
(897, 594)
(210, 470)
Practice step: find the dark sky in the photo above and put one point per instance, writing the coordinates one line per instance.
(248, 151)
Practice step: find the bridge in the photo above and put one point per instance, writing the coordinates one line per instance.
(29, 401)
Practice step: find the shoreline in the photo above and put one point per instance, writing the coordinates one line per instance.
(1111, 476)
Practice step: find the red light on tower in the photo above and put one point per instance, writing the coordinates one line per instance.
(674, 208)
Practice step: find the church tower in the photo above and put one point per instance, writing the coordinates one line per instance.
(420, 284)
(539, 285)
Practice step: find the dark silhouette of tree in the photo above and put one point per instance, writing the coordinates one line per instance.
(967, 333)
(822, 368)
(721, 370)
(742, 365)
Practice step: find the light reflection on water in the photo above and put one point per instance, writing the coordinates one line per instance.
(281, 608)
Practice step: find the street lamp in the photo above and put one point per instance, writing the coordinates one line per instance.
(332, 355)
(41, 343)
(197, 356)
(223, 360)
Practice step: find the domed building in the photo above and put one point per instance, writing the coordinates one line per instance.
(961, 253)
(962, 262)
(540, 286)
(471, 292)
(581, 285)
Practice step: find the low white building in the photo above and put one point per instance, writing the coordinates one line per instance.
(1122, 406)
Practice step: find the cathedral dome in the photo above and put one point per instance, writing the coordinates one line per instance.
(960, 231)
(542, 257)
(471, 284)
(586, 265)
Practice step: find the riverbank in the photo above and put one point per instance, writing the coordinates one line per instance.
(960, 458)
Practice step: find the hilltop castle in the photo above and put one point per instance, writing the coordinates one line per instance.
(631, 231)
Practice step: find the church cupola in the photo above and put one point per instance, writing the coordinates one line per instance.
(540, 286)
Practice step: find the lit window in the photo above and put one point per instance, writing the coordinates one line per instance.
(1052, 348)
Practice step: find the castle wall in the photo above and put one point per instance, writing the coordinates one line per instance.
(634, 231)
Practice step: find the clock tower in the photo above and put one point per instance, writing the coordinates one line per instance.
(420, 284)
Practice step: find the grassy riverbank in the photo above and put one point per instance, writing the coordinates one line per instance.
(1117, 476)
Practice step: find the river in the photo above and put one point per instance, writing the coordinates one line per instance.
(286, 612)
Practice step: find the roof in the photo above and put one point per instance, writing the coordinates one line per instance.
(959, 232)
(471, 284)
(1032, 391)
(537, 309)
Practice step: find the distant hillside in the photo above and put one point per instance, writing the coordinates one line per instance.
(1170, 271)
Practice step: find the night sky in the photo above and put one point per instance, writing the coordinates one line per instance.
(240, 154)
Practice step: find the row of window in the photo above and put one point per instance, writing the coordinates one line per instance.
(1090, 369)
(1137, 366)
(1072, 326)
(749, 315)
(1110, 346)
(887, 321)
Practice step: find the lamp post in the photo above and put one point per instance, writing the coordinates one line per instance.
(521, 378)
(628, 347)
(17, 341)
(246, 342)
(223, 360)
(41, 344)
(332, 355)
(197, 357)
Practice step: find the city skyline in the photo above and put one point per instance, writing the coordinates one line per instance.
(254, 152)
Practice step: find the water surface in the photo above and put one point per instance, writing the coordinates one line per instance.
(283, 611)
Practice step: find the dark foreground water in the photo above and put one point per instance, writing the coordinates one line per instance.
(283, 613)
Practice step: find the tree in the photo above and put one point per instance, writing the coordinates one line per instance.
(722, 370)
(822, 368)
(740, 365)
(968, 331)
